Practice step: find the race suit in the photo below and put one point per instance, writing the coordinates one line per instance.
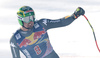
(35, 43)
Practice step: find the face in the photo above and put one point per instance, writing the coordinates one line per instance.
(29, 25)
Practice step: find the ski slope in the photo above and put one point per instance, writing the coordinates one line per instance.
(73, 41)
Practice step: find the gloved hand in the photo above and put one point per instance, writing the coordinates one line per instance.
(79, 11)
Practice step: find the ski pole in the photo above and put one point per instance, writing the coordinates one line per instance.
(93, 33)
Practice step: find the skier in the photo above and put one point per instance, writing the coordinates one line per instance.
(32, 38)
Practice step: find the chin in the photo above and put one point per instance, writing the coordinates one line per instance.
(31, 27)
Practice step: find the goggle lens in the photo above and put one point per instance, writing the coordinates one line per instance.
(28, 19)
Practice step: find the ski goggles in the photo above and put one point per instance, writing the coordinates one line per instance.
(27, 19)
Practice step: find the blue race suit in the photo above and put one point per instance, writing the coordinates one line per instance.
(35, 43)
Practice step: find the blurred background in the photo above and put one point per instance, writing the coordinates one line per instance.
(75, 40)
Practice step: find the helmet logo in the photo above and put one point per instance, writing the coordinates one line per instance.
(28, 11)
(21, 13)
(20, 18)
(25, 8)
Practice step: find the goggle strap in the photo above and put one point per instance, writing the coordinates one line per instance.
(20, 18)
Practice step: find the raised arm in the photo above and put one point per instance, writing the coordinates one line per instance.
(49, 23)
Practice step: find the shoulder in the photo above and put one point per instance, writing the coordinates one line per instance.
(43, 21)
(12, 39)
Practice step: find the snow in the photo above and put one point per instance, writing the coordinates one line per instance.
(73, 41)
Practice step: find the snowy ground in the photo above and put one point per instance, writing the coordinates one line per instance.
(73, 41)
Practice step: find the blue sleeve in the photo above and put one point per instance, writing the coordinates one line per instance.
(14, 48)
(48, 23)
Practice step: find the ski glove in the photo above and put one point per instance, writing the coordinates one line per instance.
(79, 11)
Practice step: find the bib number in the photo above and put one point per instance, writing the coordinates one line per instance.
(37, 50)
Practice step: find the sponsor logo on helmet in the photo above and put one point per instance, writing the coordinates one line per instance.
(28, 11)
(20, 18)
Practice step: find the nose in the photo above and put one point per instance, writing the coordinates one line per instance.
(30, 23)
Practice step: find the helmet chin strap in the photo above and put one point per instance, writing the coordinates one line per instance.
(26, 27)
